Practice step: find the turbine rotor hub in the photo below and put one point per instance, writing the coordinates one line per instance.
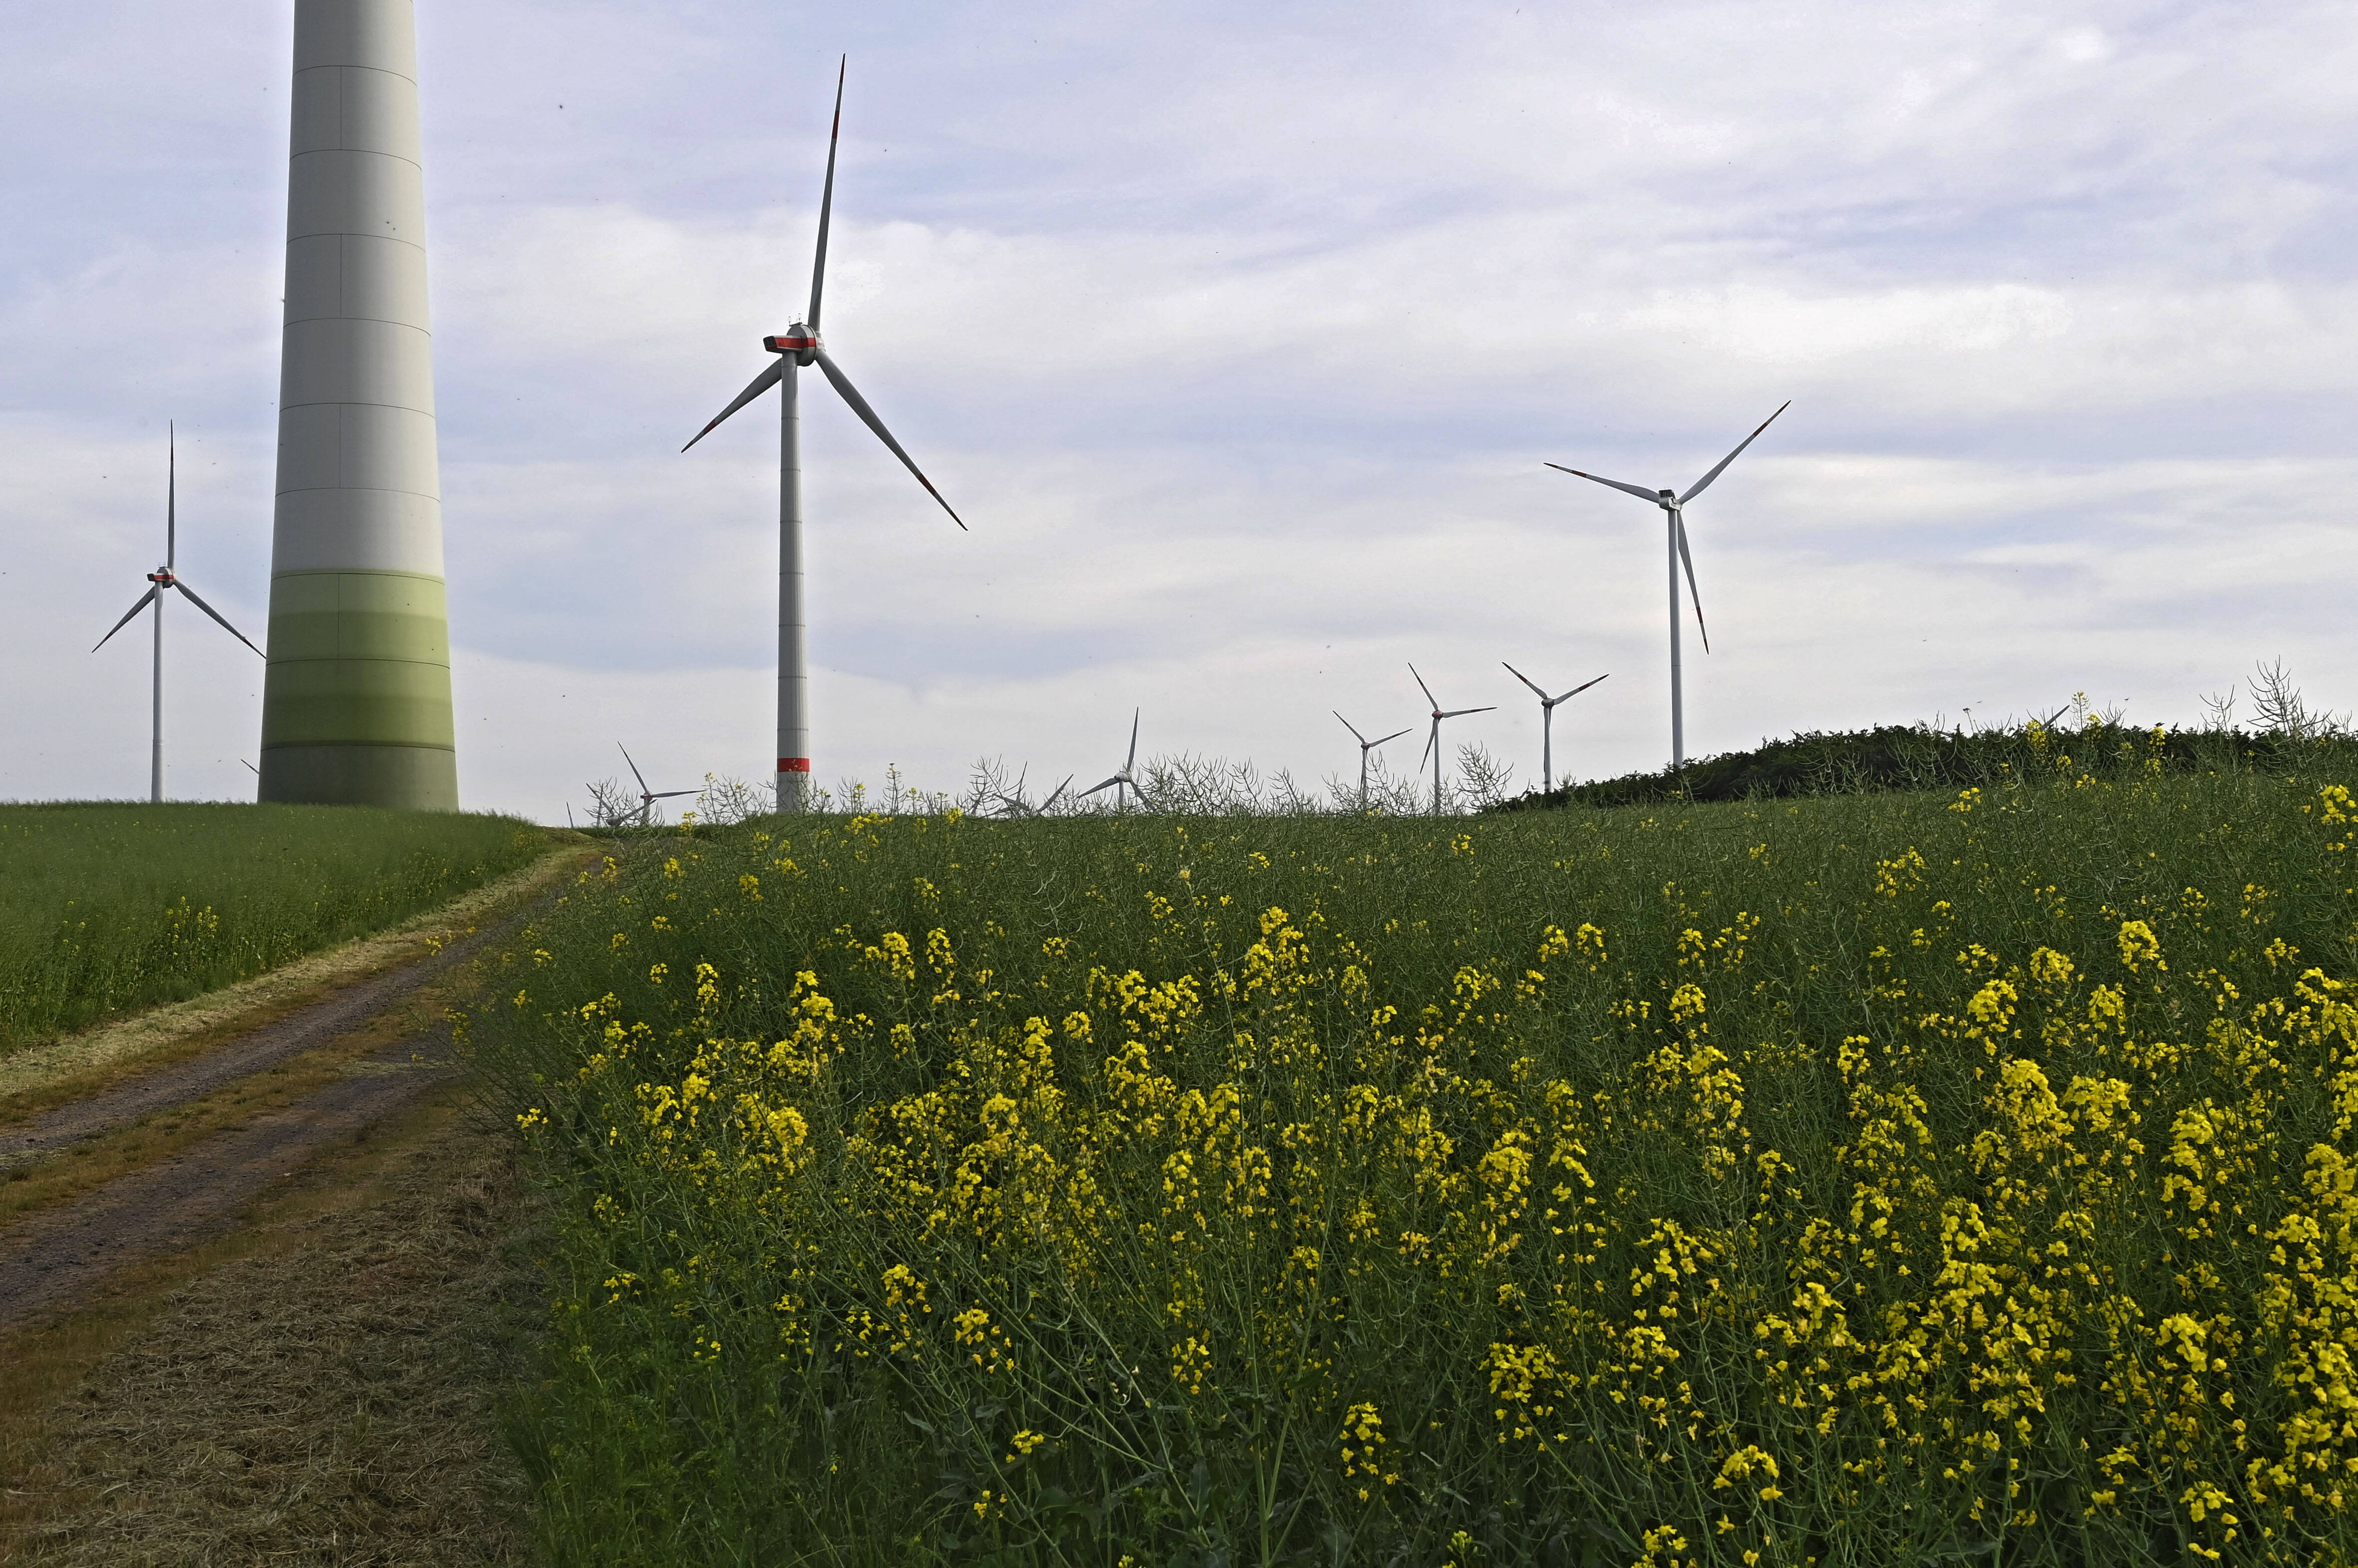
(798, 341)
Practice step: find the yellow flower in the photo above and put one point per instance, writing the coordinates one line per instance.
(2139, 946)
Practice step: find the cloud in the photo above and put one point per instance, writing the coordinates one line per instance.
(1240, 336)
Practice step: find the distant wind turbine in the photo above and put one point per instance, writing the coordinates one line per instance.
(1016, 805)
(1433, 742)
(1122, 780)
(1547, 723)
(1674, 506)
(648, 797)
(1366, 746)
(800, 345)
(158, 581)
(1013, 803)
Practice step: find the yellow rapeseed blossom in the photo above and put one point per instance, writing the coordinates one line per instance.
(1981, 1222)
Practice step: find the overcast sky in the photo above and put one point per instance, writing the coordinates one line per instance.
(1239, 334)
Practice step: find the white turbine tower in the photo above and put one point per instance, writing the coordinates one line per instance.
(800, 345)
(1672, 505)
(162, 578)
(1547, 723)
(1120, 781)
(1433, 742)
(1366, 746)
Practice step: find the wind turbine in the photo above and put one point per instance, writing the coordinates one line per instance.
(798, 346)
(158, 581)
(1546, 724)
(1121, 780)
(1433, 742)
(648, 797)
(1014, 803)
(1366, 746)
(1674, 506)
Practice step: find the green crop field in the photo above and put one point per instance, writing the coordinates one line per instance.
(1901, 1178)
(105, 908)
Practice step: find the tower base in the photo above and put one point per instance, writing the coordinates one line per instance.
(406, 778)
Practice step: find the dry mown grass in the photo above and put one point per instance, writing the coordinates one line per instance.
(322, 1396)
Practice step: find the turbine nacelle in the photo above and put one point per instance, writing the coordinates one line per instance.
(799, 340)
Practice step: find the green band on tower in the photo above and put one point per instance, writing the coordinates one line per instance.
(357, 659)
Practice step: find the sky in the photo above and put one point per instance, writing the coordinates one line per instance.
(1239, 334)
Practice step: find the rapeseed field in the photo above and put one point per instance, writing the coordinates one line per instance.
(1895, 1179)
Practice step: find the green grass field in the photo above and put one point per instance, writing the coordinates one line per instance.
(107, 908)
(1889, 1179)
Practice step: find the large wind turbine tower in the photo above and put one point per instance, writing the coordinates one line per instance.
(356, 703)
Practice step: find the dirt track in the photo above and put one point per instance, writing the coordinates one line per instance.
(319, 1385)
(248, 1053)
(254, 1297)
(53, 1259)
(56, 1255)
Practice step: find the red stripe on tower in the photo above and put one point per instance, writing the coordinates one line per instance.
(794, 765)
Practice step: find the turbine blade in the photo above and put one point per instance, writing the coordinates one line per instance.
(1354, 729)
(171, 493)
(1424, 689)
(667, 794)
(1704, 482)
(1131, 760)
(1583, 685)
(868, 417)
(826, 200)
(1525, 679)
(761, 383)
(1431, 740)
(1393, 736)
(1639, 491)
(634, 767)
(1687, 561)
(127, 614)
(1461, 712)
(216, 614)
(1057, 793)
(1094, 789)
